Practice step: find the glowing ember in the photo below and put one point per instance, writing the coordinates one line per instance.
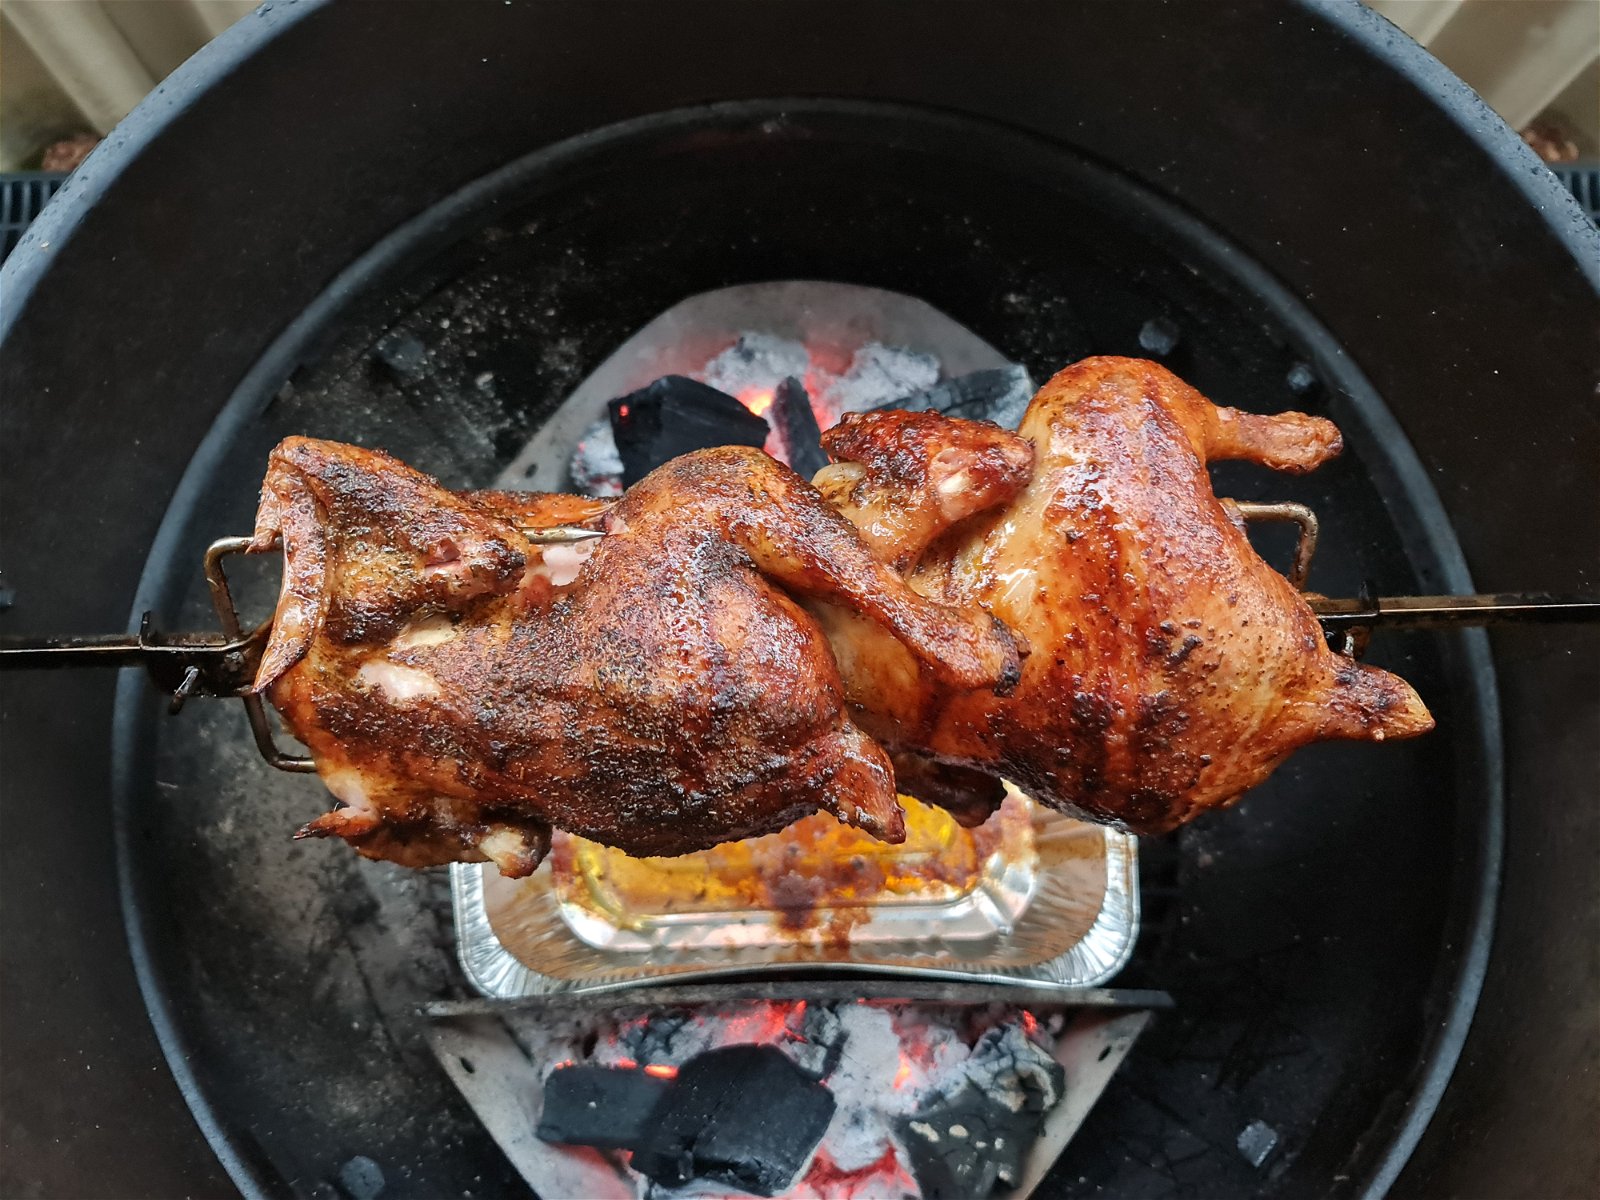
(887, 1065)
(769, 1022)
(757, 401)
(826, 1180)
(903, 1075)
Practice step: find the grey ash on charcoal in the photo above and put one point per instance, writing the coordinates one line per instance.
(784, 1098)
(974, 1137)
(772, 392)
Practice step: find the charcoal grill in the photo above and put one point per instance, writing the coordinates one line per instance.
(1028, 172)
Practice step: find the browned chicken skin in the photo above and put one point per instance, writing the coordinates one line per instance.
(734, 653)
(462, 690)
(1170, 668)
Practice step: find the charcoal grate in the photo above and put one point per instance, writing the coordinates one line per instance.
(1584, 183)
(23, 195)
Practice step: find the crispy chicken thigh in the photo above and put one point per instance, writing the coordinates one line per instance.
(660, 689)
(1168, 668)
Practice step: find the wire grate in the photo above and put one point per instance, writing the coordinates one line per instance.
(23, 195)
(1584, 183)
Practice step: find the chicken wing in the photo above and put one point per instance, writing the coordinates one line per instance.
(1169, 668)
(660, 690)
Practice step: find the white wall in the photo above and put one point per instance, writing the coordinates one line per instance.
(1522, 56)
(71, 65)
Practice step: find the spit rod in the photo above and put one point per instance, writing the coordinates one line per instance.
(1443, 612)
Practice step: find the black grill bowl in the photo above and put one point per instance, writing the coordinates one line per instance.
(1384, 945)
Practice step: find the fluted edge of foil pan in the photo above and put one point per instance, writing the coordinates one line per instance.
(1092, 961)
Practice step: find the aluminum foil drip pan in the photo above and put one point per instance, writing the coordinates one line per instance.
(1031, 897)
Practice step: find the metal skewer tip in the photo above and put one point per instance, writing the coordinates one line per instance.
(1444, 612)
(552, 535)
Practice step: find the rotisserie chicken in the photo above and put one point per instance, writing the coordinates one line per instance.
(463, 690)
(1171, 669)
(1068, 607)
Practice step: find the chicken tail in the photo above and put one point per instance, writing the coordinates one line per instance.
(1369, 704)
(862, 791)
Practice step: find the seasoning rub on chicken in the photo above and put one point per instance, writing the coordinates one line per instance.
(1068, 607)
(463, 690)
(1170, 668)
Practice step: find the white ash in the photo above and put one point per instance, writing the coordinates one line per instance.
(756, 362)
(877, 375)
(861, 1127)
(1003, 1062)
(596, 467)
(868, 1084)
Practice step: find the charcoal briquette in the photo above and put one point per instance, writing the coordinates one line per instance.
(677, 415)
(796, 424)
(744, 1115)
(609, 1108)
(1000, 395)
